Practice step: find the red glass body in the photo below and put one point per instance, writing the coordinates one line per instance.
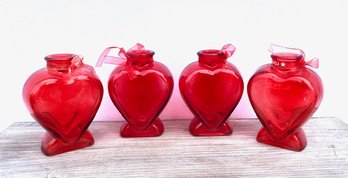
(140, 89)
(284, 95)
(211, 88)
(64, 98)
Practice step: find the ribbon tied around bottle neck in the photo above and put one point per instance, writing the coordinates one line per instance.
(312, 63)
(228, 50)
(116, 60)
(122, 57)
(76, 62)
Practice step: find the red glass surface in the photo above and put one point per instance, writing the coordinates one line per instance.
(284, 95)
(64, 98)
(140, 89)
(211, 88)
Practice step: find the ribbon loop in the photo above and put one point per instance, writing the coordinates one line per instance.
(116, 60)
(137, 47)
(228, 49)
(77, 60)
(122, 56)
(104, 58)
(274, 48)
(75, 63)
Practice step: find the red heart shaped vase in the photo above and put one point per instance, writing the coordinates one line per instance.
(64, 98)
(284, 95)
(140, 89)
(211, 89)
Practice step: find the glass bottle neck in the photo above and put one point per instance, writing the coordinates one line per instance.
(140, 57)
(211, 57)
(59, 62)
(287, 61)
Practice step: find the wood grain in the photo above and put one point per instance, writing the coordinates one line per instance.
(178, 154)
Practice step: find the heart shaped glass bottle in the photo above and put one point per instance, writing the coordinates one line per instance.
(140, 88)
(211, 88)
(284, 95)
(64, 98)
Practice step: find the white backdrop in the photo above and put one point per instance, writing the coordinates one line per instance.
(175, 30)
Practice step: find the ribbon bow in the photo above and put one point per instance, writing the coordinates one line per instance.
(122, 55)
(75, 63)
(313, 63)
(228, 50)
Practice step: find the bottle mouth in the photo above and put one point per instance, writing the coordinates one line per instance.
(140, 57)
(59, 62)
(287, 61)
(140, 53)
(211, 57)
(60, 57)
(284, 56)
(210, 52)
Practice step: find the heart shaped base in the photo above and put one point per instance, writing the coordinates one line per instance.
(154, 130)
(297, 141)
(52, 146)
(197, 128)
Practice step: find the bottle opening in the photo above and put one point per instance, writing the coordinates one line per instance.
(140, 53)
(210, 52)
(60, 57)
(286, 61)
(59, 62)
(140, 57)
(211, 57)
(286, 56)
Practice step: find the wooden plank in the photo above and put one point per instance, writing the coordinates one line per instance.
(178, 154)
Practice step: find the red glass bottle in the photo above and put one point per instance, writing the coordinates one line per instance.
(64, 98)
(140, 88)
(284, 95)
(211, 88)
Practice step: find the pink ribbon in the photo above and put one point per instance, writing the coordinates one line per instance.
(313, 63)
(75, 63)
(122, 55)
(228, 49)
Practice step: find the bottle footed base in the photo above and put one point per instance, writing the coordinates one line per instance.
(197, 128)
(52, 146)
(297, 141)
(154, 130)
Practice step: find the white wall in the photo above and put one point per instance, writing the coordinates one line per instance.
(175, 30)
